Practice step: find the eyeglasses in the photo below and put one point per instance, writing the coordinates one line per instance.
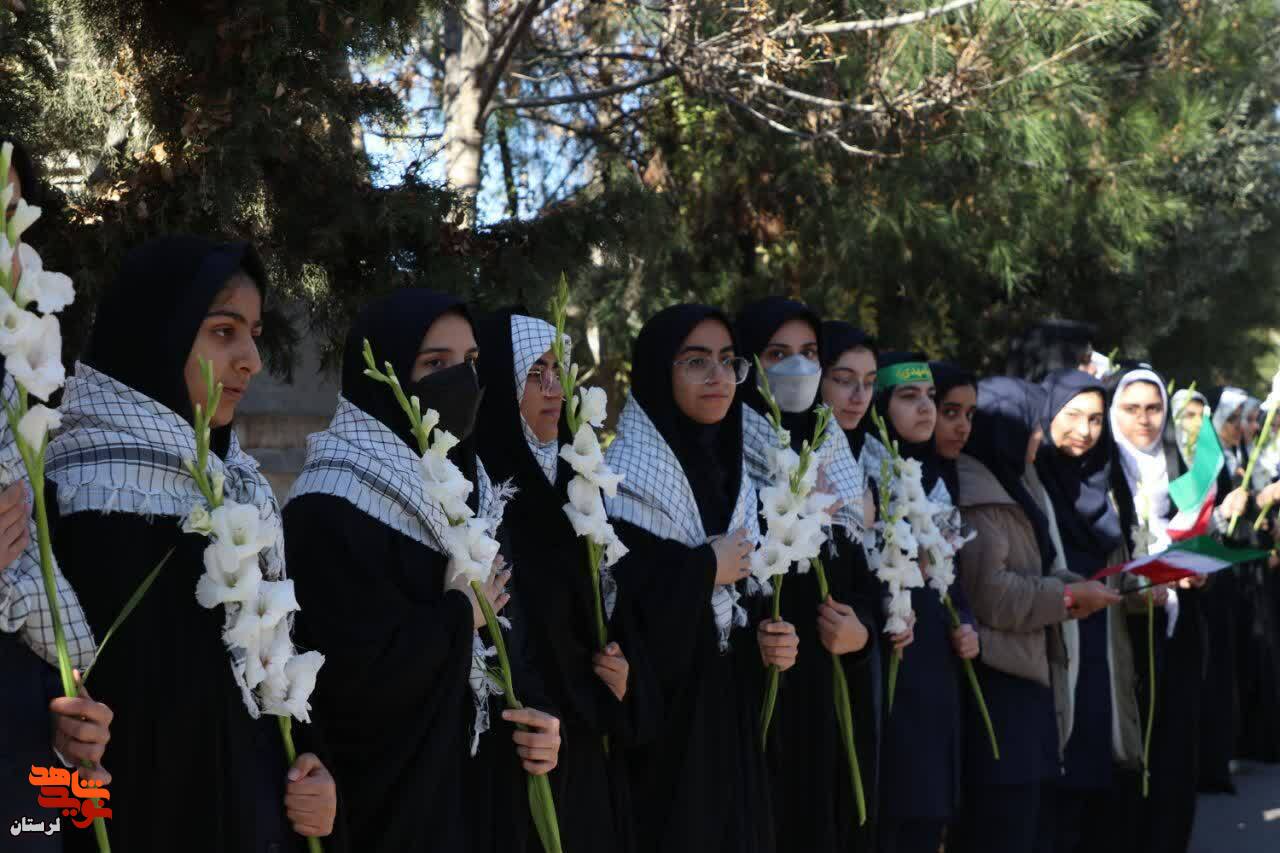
(850, 384)
(546, 379)
(702, 369)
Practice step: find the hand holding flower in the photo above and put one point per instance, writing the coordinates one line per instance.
(964, 640)
(494, 589)
(733, 557)
(902, 639)
(81, 730)
(310, 797)
(839, 628)
(611, 667)
(14, 528)
(538, 743)
(779, 644)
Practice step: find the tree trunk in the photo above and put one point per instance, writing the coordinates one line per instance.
(466, 42)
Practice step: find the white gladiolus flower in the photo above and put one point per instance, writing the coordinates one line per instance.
(36, 424)
(38, 366)
(228, 576)
(615, 550)
(584, 455)
(472, 550)
(6, 249)
(783, 462)
(198, 521)
(604, 478)
(267, 656)
(300, 678)
(24, 216)
(18, 327)
(804, 539)
(1274, 397)
(274, 601)
(772, 559)
(780, 507)
(6, 195)
(430, 419)
(819, 503)
(51, 291)
(444, 484)
(593, 404)
(241, 526)
(442, 441)
(584, 497)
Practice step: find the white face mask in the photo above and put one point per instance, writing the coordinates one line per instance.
(794, 382)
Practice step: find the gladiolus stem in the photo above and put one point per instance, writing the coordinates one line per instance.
(33, 461)
(1263, 438)
(1151, 698)
(771, 690)
(542, 807)
(894, 661)
(1262, 516)
(291, 755)
(844, 706)
(973, 683)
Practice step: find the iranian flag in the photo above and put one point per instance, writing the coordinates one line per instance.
(1196, 492)
(1193, 552)
(1202, 555)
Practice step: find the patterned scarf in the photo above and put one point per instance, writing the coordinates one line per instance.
(836, 458)
(531, 338)
(24, 607)
(655, 496)
(363, 462)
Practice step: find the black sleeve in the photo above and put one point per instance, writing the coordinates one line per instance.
(666, 587)
(373, 618)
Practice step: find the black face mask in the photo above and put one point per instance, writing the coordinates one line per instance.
(455, 394)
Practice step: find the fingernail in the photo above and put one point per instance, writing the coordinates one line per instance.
(295, 774)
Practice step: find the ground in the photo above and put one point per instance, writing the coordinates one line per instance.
(1248, 822)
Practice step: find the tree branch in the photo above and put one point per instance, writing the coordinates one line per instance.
(499, 67)
(589, 95)
(889, 23)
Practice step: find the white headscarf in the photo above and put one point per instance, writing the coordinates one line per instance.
(1145, 468)
(532, 338)
(1181, 398)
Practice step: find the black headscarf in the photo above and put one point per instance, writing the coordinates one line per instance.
(947, 376)
(147, 321)
(395, 325)
(757, 324)
(924, 451)
(1008, 413)
(836, 338)
(501, 439)
(710, 454)
(1078, 487)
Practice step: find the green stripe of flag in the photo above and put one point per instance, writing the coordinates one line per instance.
(1189, 491)
(1207, 546)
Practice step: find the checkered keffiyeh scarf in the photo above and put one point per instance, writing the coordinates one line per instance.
(363, 462)
(121, 451)
(24, 606)
(531, 339)
(655, 496)
(836, 458)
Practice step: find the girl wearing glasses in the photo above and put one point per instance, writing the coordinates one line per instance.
(813, 794)
(688, 514)
(520, 431)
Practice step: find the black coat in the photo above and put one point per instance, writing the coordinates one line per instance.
(701, 785)
(393, 697)
(29, 685)
(167, 678)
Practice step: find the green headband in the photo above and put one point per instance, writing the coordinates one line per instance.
(904, 373)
